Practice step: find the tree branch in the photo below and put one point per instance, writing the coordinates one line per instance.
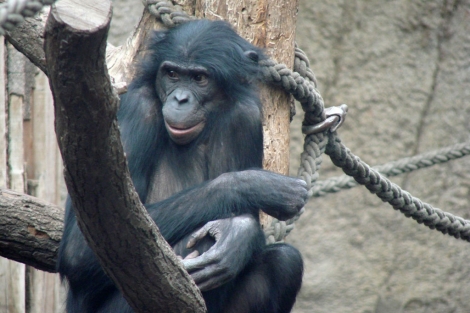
(28, 38)
(110, 214)
(30, 230)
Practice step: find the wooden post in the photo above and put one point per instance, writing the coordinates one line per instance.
(31, 141)
(4, 263)
(3, 122)
(269, 25)
(44, 167)
(17, 279)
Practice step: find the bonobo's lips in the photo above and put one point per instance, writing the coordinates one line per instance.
(182, 135)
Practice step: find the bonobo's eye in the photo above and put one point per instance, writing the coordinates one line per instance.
(172, 74)
(201, 79)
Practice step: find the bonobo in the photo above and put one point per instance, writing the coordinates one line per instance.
(191, 126)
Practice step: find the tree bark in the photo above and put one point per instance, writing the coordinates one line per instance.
(108, 209)
(28, 38)
(121, 60)
(30, 230)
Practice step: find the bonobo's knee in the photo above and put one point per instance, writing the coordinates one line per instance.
(286, 258)
(286, 271)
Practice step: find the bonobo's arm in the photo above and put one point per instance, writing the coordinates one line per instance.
(230, 194)
(213, 206)
(277, 195)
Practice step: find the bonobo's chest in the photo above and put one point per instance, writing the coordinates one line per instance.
(177, 170)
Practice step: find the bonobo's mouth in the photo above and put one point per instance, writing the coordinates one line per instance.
(183, 135)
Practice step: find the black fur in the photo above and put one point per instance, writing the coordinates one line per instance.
(184, 182)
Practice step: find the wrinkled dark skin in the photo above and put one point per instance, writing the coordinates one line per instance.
(216, 266)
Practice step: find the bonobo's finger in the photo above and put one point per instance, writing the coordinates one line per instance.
(200, 262)
(212, 284)
(211, 277)
(291, 197)
(192, 255)
(197, 235)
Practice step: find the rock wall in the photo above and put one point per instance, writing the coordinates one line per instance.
(403, 68)
(126, 15)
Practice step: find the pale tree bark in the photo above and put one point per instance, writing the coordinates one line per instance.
(16, 99)
(3, 173)
(45, 181)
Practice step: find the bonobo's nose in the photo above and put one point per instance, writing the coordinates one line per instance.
(182, 96)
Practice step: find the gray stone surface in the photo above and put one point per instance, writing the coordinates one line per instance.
(403, 68)
(126, 15)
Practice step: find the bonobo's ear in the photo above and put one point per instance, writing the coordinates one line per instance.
(252, 55)
(157, 37)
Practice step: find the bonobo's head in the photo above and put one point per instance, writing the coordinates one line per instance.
(200, 69)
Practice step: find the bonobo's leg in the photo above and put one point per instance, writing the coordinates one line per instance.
(115, 304)
(270, 284)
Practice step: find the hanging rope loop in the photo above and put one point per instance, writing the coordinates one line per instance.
(169, 14)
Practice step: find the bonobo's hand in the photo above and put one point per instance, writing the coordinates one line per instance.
(277, 195)
(228, 256)
(283, 196)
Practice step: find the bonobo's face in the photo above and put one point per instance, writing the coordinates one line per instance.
(188, 94)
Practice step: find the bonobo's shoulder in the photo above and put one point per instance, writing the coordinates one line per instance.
(250, 108)
(139, 99)
(138, 89)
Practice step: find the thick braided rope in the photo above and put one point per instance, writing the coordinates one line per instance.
(169, 14)
(301, 83)
(302, 66)
(13, 12)
(389, 192)
(304, 91)
(395, 168)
